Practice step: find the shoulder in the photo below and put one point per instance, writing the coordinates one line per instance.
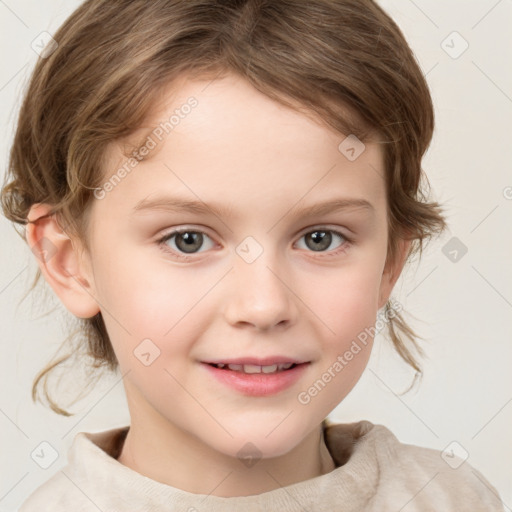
(91, 459)
(56, 494)
(444, 479)
(415, 477)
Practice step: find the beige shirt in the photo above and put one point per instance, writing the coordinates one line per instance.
(374, 473)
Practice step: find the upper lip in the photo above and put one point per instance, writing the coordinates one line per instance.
(266, 361)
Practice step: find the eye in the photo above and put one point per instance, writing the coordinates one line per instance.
(319, 240)
(184, 241)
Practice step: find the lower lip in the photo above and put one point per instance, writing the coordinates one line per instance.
(258, 384)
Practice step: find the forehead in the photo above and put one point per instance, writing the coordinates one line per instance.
(224, 141)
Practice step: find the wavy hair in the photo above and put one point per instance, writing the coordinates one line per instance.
(343, 60)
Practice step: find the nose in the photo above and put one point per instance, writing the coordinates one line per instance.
(260, 295)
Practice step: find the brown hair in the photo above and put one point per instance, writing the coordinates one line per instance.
(345, 60)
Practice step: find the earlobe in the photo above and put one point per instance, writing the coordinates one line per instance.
(61, 262)
(392, 272)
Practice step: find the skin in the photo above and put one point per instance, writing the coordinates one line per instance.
(263, 161)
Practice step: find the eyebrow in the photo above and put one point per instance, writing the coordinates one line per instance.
(177, 204)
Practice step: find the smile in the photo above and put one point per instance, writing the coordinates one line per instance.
(253, 368)
(256, 379)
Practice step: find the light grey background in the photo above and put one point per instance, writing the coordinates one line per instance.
(462, 308)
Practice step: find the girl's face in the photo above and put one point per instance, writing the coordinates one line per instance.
(273, 265)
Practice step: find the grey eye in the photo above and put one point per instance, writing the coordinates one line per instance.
(188, 242)
(321, 239)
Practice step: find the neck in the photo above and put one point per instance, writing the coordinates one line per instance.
(177, 459)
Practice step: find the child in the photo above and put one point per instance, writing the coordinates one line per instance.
(283, 138)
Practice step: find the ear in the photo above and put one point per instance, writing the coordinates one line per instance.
(392, 271)
(61, 262)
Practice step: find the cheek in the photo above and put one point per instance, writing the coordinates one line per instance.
(140, 302)
(348, 300)
(349, 309)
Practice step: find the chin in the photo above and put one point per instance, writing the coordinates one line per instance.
(265, 438)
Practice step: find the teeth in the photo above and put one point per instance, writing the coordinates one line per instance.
(253, 368)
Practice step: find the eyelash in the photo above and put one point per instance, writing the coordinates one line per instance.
(336, 252)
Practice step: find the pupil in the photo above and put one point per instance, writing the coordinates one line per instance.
(321, 239)
(192, 241)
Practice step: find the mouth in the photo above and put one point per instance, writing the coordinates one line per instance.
(257, 377)
(254, 368)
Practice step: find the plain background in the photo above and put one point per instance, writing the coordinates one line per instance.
(462, 308)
